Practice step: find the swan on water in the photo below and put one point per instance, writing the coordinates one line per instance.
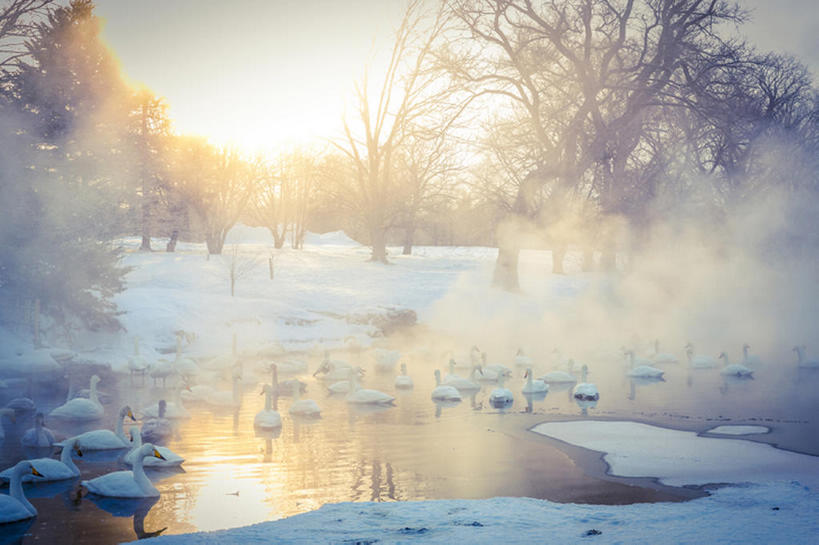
(14, 506)
(699, 361)
(460, 382)
(39, 435)
(443, 392)
(169, 457)
(662, 357)
(303, 407)
(267, 418)
(403, 381)
(104, 439)
(80, 409)
(534, 386)
(734, 369)
(127, 484)
(366, 396)
(51, 469)
(501, 395)
(642, 371)
(585, 391)
(800, 357)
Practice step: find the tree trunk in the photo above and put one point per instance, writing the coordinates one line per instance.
(409, 234)
(215, 243)
(146, 205)
(171, 247)
(558, 255)
(146, 240)
(379, 243)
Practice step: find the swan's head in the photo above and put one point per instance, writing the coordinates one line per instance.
(527, 373)
(403, 368)
(438, 374)
(149, 450)
(127, 412)
(520, 352)
(75, 446)
(722, 355)
(95, 380)
(39, 418)
(33, 469)
(746, 346)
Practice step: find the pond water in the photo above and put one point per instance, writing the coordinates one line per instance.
(415, 450)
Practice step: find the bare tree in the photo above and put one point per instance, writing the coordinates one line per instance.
(18, 22)
(584, 74)
(409, 94)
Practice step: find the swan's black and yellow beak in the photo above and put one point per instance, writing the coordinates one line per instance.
(158, 455)
(131, 416)
(35, 472)
(526, 374)
(78, 450)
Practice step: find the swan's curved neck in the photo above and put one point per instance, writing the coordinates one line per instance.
(268, 400)
(119, 431)
(93, 395)
(140, 478)
(16, 489)
(727, 361)
(275, 377)
(68, 460)
(584, 374)
(529, 380)
(437, 379)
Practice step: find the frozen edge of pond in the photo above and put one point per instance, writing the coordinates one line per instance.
(775, 512)
(739, 430)
(682, 458)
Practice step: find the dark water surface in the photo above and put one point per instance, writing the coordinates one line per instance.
(416, 450)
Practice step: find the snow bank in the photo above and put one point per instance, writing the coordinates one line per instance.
(332, 238)
(680, 458)
(244, 234)
(781, 513)
(739, 430)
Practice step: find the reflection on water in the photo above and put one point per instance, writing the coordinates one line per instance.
(418, 449)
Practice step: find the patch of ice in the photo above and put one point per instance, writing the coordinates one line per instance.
(739, 430)
(244, 234)
(679, 458)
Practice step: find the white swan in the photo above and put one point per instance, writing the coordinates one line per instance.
(332, 370)
(127, 484)
(534, 386)
(585, 391)
(801, 361)
(80, 409)
(521, 359)
(173, 410)
(222, 398)
(699, 361)
(303, 407)
(366, 396)
(267, 418)
(285, 387)
(460, 382)
(292, 367)
(501, 395)
(15, 506)
(642, 371)
(137, 364)
(493, 372)
(104, 439)
(560, 377)
(186, 367)
(443, 392)
(39, 435)
(169, 457)
(475, 356)
(750, 360)
(734, 369)
(159, 428)
(161, 369)
(662, 357)
(49, 468)
(403, 381)
(385, 360)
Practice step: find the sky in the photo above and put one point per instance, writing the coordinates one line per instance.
(265, 73)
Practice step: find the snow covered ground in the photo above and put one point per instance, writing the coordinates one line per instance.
(309, 305)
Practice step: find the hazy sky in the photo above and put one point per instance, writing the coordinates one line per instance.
(259, 72)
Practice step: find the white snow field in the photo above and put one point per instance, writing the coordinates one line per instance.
(679, 458)
(778, 513)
